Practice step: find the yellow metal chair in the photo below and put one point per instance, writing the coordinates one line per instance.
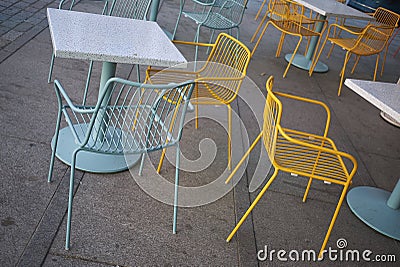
(300, 153)
(371, 41)
(288, 17)
(217, 81)
(382, 16)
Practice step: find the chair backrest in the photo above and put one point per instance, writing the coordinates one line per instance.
(272, 120)
(287, 11)
(387, 17)
(136, 117)
(373, 39)
(133, 9)
(232, 10)
(228, 61)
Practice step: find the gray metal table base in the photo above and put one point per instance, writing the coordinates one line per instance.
(377, 208)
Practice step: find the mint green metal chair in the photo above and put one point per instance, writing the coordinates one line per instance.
(213, 14)
(129, 118)
(133, 9)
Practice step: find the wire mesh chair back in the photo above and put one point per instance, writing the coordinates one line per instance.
(233, 11)
(272, 118)
(373, 40)
(228, 61)
(133, 9)
(135, 118)
(386, 17)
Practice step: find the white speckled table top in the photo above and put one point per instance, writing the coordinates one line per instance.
(96, 37)
(333, 8)
(385, 96)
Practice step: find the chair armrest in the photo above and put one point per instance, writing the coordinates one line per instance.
(342, 28)
(192, 43)
(63, 4)
(312, 101)
(61, 93)
(205, 2)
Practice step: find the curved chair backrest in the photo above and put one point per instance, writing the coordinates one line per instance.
(228, 60)
(133, 9)
(233, 10)
(387, 17)
(272, 119)
(136, 117)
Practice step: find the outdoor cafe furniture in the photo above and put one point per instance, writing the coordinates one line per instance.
(218, 80)
(134, 119)
(382, 16)
(119, 8)
(371, 41)
(218, 15)
(326, 8)
(111, 40)
(376, 207)
(309, 155)
(289, 17)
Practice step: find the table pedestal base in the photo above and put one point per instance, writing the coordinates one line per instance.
(90, 161)
(302, 62)
(369, 204)
(389, 119)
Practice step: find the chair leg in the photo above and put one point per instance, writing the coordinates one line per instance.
(330, 51)
(176, 189)
(384, 59)
(333, 220)
(141, 164)
(87, 82)
(243, 158)
(137, 72)
(177, 22)
(355, 64)
(346, 60)
(259, 27)
(280, 45)
(70, 198)
(252, 206)
(160, 163)
(229, 136)
(310, 72)
(51, 68)
(196, 116)
(57, 132)
(376, 66)
(260, 9)
(259, 38)
(293, 55)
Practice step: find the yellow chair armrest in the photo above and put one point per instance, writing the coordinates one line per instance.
(192, 43)
(312, 101)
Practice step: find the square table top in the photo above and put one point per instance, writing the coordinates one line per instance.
(385, 96)
(334, 8)
(96, 37)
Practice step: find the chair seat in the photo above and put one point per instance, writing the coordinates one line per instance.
(213, 20)
(293, 28)
(362, 49)
(298, 159)
(207, 91)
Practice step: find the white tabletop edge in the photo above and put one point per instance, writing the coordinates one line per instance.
(356, 86)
